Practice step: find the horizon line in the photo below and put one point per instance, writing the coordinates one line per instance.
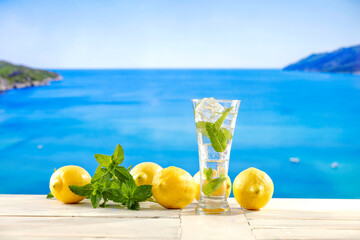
(163, 68)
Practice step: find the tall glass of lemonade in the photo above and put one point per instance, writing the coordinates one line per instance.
(215, 123)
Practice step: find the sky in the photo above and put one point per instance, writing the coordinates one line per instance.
(173, 34)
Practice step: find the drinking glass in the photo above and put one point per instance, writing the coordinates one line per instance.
(215, 123)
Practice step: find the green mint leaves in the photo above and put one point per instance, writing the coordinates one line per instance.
(208, 172)
(213, 184)
(218, 136)
(112, 181)
(221, 119)
(49, 196)
(82, 191)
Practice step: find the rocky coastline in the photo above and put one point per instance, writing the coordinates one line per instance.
(18, 76)
(5, 85)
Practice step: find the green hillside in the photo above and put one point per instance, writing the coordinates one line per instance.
(20, 74)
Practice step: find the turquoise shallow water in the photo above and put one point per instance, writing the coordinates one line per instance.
(312, 116)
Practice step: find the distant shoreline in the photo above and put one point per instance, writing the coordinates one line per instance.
(198, 69)
(18, 76)
(6, 86)
(343, 60)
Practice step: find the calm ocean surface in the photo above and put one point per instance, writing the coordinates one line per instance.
(312, 116)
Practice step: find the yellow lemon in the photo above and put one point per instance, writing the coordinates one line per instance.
(218, 192)
(144, 173)
(173, 188)
(65, 176)
(253, 188)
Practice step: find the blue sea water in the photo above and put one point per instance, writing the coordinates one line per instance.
(312, 116)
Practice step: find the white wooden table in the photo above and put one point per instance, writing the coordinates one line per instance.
(34, 217)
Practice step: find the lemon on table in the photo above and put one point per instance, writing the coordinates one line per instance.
(253, 189)
(65, 176)
(144, 173)
(218, 192)
(173, 188)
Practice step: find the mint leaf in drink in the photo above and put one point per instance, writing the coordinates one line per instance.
(84, 191)
(217, 137)
(221, 119)
(213, 185)
(227, 133)
(103, 160)
(208, 172)
(49, 196)
(201, 126)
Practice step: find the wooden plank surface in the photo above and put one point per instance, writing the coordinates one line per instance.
(304, 233)
(308, 224)
(230, 226)
(94, 227)
(38, 205)
(34, 217)
(306, 219)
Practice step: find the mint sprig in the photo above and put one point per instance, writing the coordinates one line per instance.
(218, 135)
(208, 172)
(111, 181)
(83, 191)
(213, 185)
(49, 196)
(221, 119)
